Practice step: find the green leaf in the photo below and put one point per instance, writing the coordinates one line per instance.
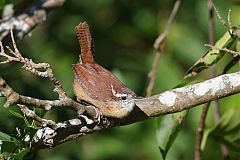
(17, 114)
(213, 55)
(32, 125)
(168, 128)
(5, 137)
(206, 134)
(19, 155)
(238, 46)
(8, 147)
(2, 2)
(188, 81)
(227, 131)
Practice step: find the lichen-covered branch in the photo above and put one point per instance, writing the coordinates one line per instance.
(39, 69)
(175, 100)
(68, 130)
(13, 97)
(34, 68)
(179, 99)
(171, 101)
(31, 114)
(25, 22)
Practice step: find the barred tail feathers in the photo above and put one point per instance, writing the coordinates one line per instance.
(85, 41)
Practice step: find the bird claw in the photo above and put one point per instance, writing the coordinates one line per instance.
(98, 116)
(100, 119)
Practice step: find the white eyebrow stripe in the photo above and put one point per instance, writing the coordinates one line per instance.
(117, 94)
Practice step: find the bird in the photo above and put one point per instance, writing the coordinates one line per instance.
(96, 85)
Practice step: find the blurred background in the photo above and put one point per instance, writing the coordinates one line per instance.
(124, 32)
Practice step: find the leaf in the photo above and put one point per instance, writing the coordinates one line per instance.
(2, 2)
(238, 45)
(15, 149)
(206, 134)
(5, 137)
(212, 56)
(19, 155)
(8, 147)
(17, 114)
(167, 130)
(227, 131)
(32, 125)
(188, 81)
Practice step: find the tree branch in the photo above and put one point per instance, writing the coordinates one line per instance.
(201, 125)
(13, 97)
(25, 22)
(29, 113)
(175, 100)
(159, 48)
(171, 101)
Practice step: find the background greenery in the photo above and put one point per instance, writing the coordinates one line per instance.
(123, 31)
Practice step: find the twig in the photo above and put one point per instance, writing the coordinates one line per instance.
(211, 22)
(234, 53)
(199, 132)
(159, 47)
(152, 74)
(229, 19)
(233, 31)
(29, 113)
(25, 22)
(34, 68)
(227, 24)
(201, 125)
(41, 70)
(236, 58)
(217, 114)
(14, 98)
(8, 58)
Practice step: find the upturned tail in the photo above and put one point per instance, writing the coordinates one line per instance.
(85, 41)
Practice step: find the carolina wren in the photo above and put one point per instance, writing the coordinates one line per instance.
(95, 84)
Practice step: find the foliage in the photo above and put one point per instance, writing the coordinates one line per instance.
(2, 2)
(213, 55)
(167, 130)
(226, 131)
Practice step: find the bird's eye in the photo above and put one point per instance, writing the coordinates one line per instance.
(123, 97)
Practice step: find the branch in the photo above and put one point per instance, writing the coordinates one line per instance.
(171, 101)
(68, 130)
(201, 124)
(159, 47)
(29, 113)
(42, 70)
(175, 100)
(13, 97)
(25, 22)
(34, 68)
(200, 131)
